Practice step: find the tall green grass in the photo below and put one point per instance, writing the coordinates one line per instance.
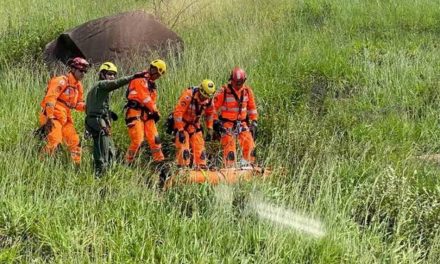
(347, 93)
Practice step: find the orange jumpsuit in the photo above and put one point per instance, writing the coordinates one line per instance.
(233, 111)
(142, 96)
(63, 94)
(187, 114)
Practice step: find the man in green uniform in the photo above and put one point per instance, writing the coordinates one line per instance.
(99, 116)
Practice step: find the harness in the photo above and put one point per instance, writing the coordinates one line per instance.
(198, 111)
(237, 123)
(133, 104)
(64, 102)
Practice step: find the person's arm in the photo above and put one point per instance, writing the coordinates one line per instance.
(111, 85)
(54, 89)
(148, 102)
(252, 107)
(138, 93)
(218, 102)
(209, 115)
(80, 105)
(180, 109)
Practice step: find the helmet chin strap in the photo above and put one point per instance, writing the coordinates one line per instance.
(201, 97)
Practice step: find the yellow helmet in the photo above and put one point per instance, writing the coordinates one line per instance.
(160, 66)
(108, 66)
(207, 88)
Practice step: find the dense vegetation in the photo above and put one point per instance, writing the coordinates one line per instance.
(347, 94)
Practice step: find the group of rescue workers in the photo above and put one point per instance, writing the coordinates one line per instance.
(230, 113)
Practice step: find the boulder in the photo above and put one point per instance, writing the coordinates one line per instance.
(118, 37)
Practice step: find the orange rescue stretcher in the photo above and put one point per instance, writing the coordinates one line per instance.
(214, 177)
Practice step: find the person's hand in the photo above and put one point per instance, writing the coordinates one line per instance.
(155, 116)
(181, 136)
(218, 126)
(113, 116)
(87, 134)
(254, 128)
(106, 131)
(141, 74)
(48, 126)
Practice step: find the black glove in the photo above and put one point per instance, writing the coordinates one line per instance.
(218, 126)
(105, 127)
(181, 136)
(40, 133)
(155, 116)
(141, 74)
(48, 126)
(106, 131)
(87, 134)
(44, 130)
(113, 116)
(209, 135)
(254, 128)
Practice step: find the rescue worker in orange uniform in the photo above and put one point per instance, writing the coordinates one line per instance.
(142, 113)
(63, 94)
(193, 102)
(235, 103)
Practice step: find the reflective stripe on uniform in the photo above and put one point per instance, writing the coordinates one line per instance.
(233, 109)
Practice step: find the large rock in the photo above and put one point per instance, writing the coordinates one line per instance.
(115, 37)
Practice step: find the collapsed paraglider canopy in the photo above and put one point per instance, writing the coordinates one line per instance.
(114, 38)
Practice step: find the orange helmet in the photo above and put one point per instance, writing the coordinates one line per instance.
(238, 76)
(78, 63)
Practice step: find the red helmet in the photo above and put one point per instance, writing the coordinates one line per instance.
(78, 63)
(238, 76)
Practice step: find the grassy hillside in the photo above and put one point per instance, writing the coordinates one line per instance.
(348, 98)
